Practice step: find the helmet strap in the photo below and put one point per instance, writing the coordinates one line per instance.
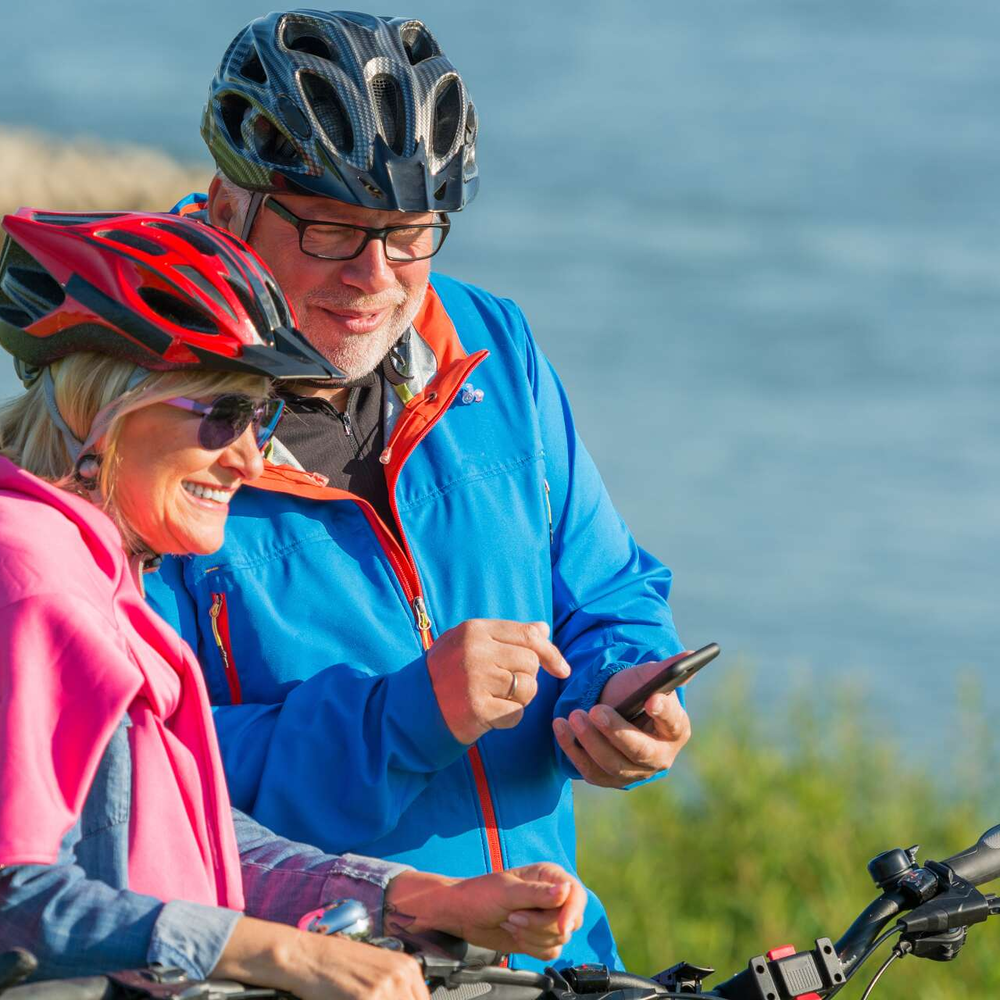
(256, 200)
(72, 442)
(84, 454)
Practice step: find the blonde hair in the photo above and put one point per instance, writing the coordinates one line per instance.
(84, 384)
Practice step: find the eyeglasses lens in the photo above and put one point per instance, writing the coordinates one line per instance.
(342, 243)
(230, 416)
(266, 421)
(413, 243)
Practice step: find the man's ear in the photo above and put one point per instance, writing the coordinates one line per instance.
(221, 208)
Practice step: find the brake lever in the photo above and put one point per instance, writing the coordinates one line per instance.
(450, 972)
(961, 904)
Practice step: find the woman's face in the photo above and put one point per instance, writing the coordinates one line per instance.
(172, 492)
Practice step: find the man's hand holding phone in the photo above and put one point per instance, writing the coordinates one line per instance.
(611, 752)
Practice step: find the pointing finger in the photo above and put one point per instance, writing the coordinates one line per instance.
(533, 636)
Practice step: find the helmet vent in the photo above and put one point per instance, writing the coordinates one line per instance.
(72, 219)
(31, 289)
(447, 117)
(234, 109)
(300, 38)
(250, 306)
(418, 43)
(253, 69)
(206, 286)
(133, 240)
(388, 99)
(202, 242)
(15, 316)
(329, 111)
(279, 303)
(176, 310)
(272, 144)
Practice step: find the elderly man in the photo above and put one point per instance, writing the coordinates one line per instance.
(432, 529)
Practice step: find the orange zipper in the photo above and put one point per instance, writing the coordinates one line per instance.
(393, 469)
(489, 813)
(219, 614)
(400, 554)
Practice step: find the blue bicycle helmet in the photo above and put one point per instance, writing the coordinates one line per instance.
(364, 109)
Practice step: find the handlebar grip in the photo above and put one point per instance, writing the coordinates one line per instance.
(86, 988)
(442, 943)
(981, 862)
(629, 981)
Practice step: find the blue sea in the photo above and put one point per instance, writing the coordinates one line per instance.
(761, 242)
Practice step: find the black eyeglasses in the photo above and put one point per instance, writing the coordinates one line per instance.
(341, 241)
(227, 417)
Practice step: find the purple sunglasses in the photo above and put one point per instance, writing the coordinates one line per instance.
(227, 417)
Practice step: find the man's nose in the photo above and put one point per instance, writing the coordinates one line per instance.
(369, 272)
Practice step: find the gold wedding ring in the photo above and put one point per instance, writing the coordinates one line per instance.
(513, 686)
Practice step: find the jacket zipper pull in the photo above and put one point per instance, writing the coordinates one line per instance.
(345, 419)
(420, 613)
(213, 612)
(548, 504)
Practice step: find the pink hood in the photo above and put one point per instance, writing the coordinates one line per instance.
(80, 649)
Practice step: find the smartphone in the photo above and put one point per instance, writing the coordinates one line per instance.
(669, 678)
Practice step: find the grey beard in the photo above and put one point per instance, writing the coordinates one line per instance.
(350, 356)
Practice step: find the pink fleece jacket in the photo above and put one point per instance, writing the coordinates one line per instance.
(80, 648)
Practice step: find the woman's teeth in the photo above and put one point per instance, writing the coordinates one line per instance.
(207, 493)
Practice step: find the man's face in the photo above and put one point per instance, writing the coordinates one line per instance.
(352, 311)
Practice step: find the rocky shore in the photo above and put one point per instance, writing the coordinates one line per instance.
(86, 175)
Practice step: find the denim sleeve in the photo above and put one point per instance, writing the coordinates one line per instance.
(283, 879)
(79, 926)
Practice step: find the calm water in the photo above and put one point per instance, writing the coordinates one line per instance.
(762, 244)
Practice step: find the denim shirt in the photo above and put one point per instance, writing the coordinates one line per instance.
(78, 916)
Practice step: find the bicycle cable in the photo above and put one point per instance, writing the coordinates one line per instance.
(872, 948)
(896, 953)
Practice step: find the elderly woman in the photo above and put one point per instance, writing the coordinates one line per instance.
(147, 344)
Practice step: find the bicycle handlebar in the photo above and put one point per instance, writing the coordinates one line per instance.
(981, 862)
(976, 865)
(86, 988)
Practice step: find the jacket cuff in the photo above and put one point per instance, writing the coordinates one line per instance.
(602, 676)
(598, 679)
(421, 737)
(368, 884)
(191, 936)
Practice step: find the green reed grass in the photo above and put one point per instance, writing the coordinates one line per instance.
(761, 835)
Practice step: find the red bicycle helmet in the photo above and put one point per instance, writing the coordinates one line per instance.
(164, 292)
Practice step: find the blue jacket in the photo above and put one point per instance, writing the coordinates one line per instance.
(312, 622)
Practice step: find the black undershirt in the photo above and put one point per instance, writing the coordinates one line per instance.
(344, 447)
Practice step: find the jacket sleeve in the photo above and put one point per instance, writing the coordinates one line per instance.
(609, 596)
(390, 727)
(282, 879)
(79, 926)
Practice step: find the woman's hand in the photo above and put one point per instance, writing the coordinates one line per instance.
(317, 967)
(533, 909)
